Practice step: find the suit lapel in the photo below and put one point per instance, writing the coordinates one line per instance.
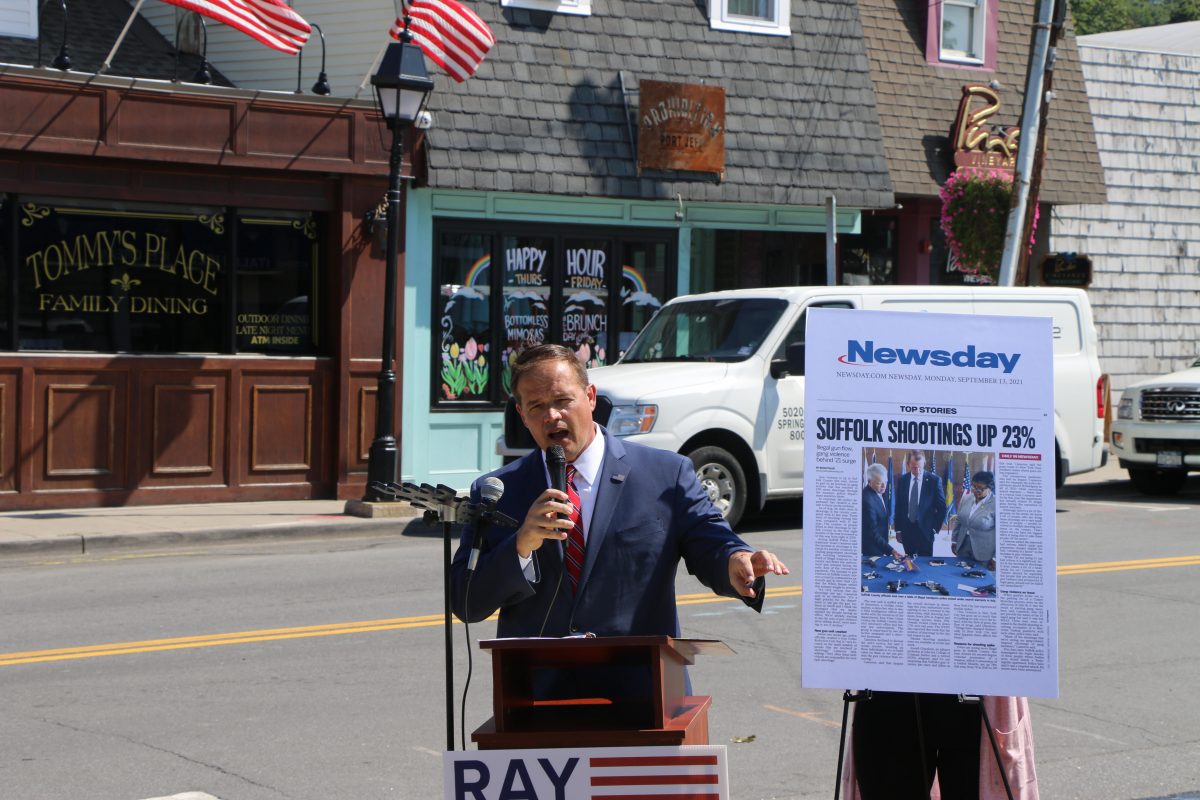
(610, 483)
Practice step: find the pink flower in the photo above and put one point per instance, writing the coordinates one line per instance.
(470, 350)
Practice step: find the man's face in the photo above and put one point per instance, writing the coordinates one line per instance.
(878, 484)
(916, 464)
(557, 408)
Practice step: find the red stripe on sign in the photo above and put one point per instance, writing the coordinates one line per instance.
(688, 796)
(652, 780)
(654, 761)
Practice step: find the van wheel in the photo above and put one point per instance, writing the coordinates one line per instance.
(1157, 482)
(721, 476)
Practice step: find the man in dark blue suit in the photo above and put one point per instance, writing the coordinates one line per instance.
(875, 514)
(920, 506)
(640, 511)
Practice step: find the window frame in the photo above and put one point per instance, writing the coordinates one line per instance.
(983, 39)
(721, 19)
(581, 8)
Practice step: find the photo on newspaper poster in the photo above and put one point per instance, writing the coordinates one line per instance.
(958, 507)
(929, 553)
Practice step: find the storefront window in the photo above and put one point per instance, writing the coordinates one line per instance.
(559, 284)
(462, 361)
(943, 269)
(585, 304)
(732, 259)
(869, 258)
(278, 300)
(129, 278)
(121, 279)
(527, 264)
(643, 288)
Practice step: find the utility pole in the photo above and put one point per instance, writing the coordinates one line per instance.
(1014, 262)
(1039, 159)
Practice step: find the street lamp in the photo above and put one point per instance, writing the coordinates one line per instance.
(402, 85)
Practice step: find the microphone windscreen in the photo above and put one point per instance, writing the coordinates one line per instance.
(492, 489)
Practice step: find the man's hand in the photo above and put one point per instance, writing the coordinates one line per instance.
(746, 567)
(542, 522)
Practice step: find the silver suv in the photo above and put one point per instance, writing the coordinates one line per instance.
(1156, 435)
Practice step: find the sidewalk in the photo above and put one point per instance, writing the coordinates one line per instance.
(88, 530)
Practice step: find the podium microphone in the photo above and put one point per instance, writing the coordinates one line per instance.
(492, 490)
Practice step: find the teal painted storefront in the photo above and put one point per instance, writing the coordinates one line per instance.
(455, 447)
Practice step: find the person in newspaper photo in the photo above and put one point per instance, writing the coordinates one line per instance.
(920, 506)
(875, 514)
(974, 535)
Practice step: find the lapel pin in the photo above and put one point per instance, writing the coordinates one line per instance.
(618, 477)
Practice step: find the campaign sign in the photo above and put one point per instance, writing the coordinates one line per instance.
(698, 772)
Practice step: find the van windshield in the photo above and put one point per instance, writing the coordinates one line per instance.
(706, 330)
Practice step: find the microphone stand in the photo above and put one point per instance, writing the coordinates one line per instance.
(443, 504)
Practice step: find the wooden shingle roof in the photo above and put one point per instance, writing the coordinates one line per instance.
(546, 112)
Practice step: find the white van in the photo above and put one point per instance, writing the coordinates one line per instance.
(719, 377)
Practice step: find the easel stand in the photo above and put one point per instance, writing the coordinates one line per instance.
(849, 697)
(443, 505)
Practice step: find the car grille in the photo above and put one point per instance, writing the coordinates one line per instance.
(1189, 447)
(1171, 405)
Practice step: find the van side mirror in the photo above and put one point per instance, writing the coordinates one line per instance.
(791, 364)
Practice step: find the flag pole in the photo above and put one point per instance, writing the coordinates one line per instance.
(371, 70)
(401, 13)
(111, 53)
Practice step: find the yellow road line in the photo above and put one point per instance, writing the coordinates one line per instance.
(1116, 566)
(431, 620)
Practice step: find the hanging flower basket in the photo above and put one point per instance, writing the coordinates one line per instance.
(975, 205)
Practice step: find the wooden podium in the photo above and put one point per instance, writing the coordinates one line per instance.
(620, 691)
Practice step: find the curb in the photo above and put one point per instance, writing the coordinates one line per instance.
(81, 544)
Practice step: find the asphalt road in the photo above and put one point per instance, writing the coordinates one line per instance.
(313, 670)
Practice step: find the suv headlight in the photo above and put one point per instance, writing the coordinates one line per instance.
(1125, 408)
(628, 420)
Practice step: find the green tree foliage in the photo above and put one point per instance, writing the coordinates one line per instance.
(1098, 16)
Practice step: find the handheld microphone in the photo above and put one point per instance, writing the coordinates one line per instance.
(556, 465)
(492, 490)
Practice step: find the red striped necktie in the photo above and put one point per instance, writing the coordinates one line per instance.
(575, 543)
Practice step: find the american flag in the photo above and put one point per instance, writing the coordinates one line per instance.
(690, 777)
(966, 484)
(950, 500)
(451, 34)
(891, 494)
(272, 22)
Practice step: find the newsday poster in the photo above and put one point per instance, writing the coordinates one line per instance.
(929, 539)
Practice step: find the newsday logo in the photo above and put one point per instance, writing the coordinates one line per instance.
(867, 353)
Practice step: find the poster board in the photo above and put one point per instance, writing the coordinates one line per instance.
(975, 395)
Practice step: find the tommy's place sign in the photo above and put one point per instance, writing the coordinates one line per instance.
(105, 261)
(681, 126)
(695, 771)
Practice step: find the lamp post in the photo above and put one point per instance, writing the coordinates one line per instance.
(402, 85)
